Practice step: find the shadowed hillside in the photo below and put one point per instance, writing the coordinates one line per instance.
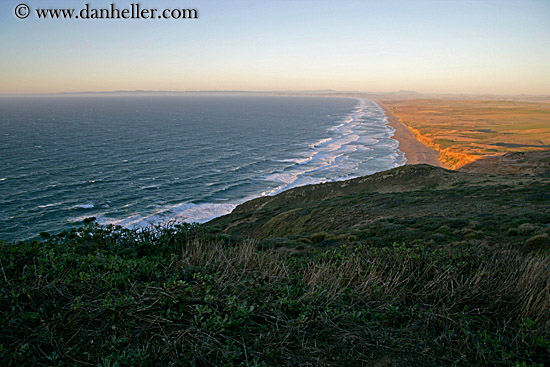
(416, 204)
(415, 266)
(516, 163)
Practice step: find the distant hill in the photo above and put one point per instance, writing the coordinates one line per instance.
(519, 163)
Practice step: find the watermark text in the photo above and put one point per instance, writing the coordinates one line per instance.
(88, 12)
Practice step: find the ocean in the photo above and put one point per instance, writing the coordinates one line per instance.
(140, 160)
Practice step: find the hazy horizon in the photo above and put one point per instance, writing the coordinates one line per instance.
(439, 47)
(319, 92)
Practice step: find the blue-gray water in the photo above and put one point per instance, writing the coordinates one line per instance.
(135, 160)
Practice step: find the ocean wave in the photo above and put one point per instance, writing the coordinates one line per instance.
(230, 186)
(49, 205)
(182, 212)
(150, 187)
(83, 206)
(362, 136)
(360, 143)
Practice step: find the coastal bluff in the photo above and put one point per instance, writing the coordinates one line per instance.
(413, 266)
(411, 202)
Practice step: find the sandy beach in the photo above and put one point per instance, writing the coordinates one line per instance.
(414, 150)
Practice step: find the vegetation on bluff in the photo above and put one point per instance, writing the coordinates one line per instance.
(412, 266)
(418, 205)
(189, 295)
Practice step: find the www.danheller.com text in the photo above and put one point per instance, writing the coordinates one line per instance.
(88, 12)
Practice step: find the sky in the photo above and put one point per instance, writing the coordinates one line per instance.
(497, 47)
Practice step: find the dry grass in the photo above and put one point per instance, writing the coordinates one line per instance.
(187, 296)
(464, 131)
(503, 280)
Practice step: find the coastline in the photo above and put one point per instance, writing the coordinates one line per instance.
(414, 150)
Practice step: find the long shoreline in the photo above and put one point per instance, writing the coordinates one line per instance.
(414, 150)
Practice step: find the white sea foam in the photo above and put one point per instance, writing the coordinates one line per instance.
(320, 142)
(83, 206)
(361, 137)
(359, 144)
(49, 205)
(183, 212)
(150, 187)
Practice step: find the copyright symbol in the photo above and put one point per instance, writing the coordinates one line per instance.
(22, 11)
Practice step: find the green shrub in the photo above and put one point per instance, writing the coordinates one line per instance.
(320, 237)
(182, 295)
(526, 228)
(539, 242)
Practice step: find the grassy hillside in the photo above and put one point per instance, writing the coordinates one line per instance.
(463, 131)
(416, 266)
(417, 204)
